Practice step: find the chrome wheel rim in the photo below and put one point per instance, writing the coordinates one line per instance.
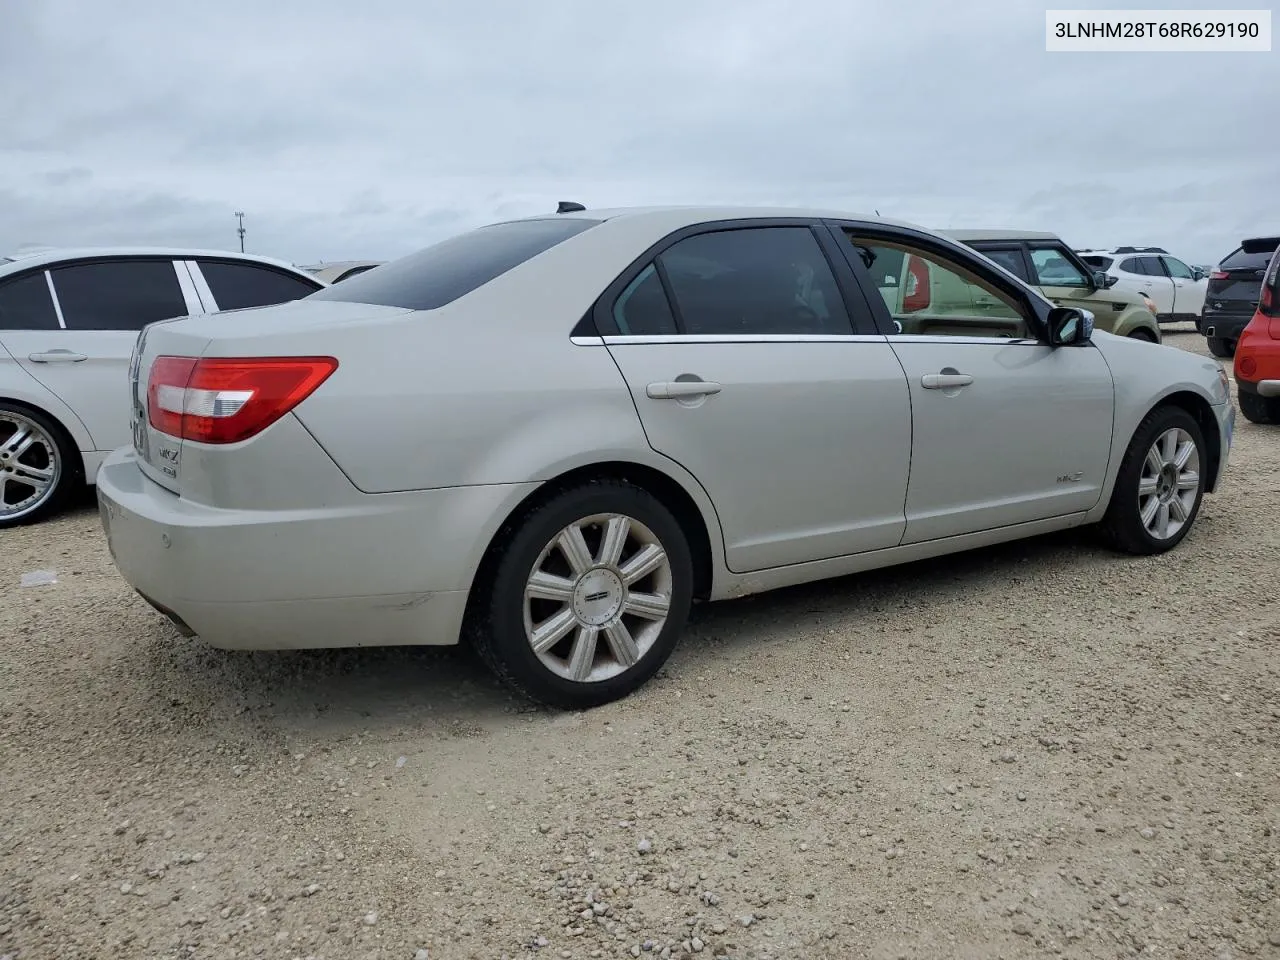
(29, 465)
(597, 598)
(1169, 484)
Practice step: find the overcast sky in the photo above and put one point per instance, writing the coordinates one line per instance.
(348, 129)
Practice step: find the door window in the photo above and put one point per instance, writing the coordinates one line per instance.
(642, 309)
(118, 294)
(930, 295)
(25, 304)
(1132, 265)
(761, 280)
(1011, 259)
(1177, 269)
(1151, 266)
(239, 285)
(1054, 269)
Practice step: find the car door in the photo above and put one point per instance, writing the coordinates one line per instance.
(1188, 292)
(1005, 428)
(100, 305)
(226, 284)
(753, 363)
(1156, 284)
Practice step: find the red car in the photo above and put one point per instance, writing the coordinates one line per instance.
(1257, 362)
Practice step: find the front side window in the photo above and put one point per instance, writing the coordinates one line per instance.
(930, 295)
(236, 285)
(1053, 269)
(25, 304)
(754, 281)
(1177, 269)
(442, 273)
(118, 294)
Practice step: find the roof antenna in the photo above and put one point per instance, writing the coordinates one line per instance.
(568, 206)
(877, 213)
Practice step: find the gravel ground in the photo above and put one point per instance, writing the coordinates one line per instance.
(1040, 749)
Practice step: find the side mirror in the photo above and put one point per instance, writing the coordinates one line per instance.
(1197, 273)
(1103, 280)
(1069, 326)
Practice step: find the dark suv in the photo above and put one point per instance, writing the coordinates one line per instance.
(1232, 295)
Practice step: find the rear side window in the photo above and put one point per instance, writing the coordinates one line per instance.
(442, 273)
(1011, 260)
(1151, 266)
(1102, 263)
(1133, 265)
(760, 280)
(239, 285)
(25, 304)
(1239, 260)
(642, 309)
(118, 294)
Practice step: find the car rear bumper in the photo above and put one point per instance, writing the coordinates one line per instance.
(381, 570)
(1263, 388)
(1225, 326)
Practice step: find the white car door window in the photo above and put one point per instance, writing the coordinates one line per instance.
(1005, 428)
(748, 370)
(102, 305)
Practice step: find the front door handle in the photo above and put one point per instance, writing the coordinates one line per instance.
(675, 389)
(945, 381)
(57, 356)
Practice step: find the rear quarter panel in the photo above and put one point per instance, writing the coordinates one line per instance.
(18, 385)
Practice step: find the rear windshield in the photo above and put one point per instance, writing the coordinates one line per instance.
(453, 268)
(1239, 260)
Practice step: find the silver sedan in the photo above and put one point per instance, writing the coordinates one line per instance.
(548, 437)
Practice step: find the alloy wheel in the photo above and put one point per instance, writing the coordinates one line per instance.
(597, 598)
(1169, 483)
(30, 467)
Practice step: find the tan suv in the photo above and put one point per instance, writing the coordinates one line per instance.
(1043, 260)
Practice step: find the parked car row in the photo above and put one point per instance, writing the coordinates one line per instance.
(548, 437)
(1177, 290)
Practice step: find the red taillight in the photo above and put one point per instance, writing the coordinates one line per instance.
(226, 400)
(1218, 275)
(1267, 303)
(916, 296)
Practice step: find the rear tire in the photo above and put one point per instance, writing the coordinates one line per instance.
(586, 599)
(39, 466)
(1159, 486)
(1221, 347)
(1256, 409)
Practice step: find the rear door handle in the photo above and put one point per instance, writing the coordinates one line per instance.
(945, 381)
(56, 356)
(675, 389)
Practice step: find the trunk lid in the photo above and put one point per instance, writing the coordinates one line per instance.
(1236, 285)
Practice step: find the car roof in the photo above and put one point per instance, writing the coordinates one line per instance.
(47, 256)
(681, 216)
(964, 236)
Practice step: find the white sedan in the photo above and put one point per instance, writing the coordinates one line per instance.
(547, 437)
(68, 320)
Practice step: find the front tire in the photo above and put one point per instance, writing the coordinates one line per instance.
(1159, 486)
(38, 467)
(587, 599)
(1142, 334)
(1256, 409)
(1221, 347)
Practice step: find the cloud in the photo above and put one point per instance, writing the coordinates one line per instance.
(369, 130)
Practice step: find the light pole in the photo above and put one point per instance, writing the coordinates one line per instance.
(240, 228)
